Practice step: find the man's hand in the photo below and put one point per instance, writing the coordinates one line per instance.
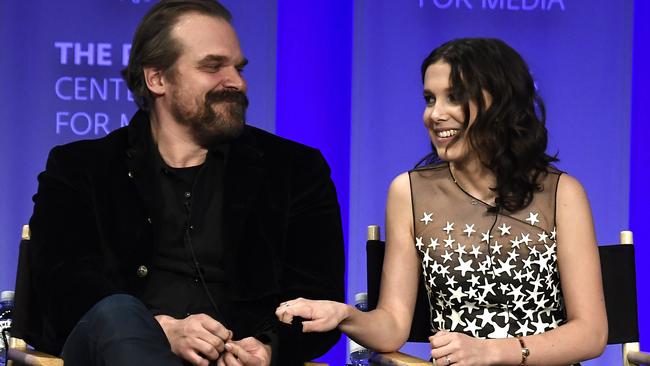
(197, 339)
(246, 352)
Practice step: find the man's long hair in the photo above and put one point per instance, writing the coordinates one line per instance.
(509, 136)
(153, 45)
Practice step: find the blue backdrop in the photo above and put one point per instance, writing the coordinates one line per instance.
(343, 76)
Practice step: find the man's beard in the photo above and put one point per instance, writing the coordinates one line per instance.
(209, 127)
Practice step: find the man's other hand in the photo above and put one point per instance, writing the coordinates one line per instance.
(197, 339)
(246, 352)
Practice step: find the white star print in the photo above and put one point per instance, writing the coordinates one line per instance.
(527, 263)
(427, 218)
(532, 218)
(516, 291)
(476, 251)
(464, 267)
(542, 237)
(487, 287)
(513, 254)
(444, 270)
(499, 332)
(474, 280)
(439, 320)
(519, 304)
(529, 313)
(514, 243)
(503, 287)
(446, 257)
(523, 328)
(434, 243)
(533, 294)
(456, 318)
(460, 249)
(470, 306)
(426, 259)
(418, 243)
(553, 233)
(449, 228)
(471, 327)
(457, 294)
(518, 275)
(540, 326)
(496, 248)
(469, 230)
(449, 242)
(486, 317)
(505, 267)
(525, 277)
(450, 281)
(505, 230)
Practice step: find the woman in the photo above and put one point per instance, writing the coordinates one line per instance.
(505, 241)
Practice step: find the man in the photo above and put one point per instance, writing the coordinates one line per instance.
(172, 240)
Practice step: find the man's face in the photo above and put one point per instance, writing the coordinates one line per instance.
(207, 92)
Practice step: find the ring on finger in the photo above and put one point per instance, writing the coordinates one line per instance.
(448, 360)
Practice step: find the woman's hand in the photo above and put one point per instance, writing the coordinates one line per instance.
(320, 315)
(450, 348)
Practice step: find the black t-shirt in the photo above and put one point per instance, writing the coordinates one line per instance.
(187, 216)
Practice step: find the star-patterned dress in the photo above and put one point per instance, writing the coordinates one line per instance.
(488, 274)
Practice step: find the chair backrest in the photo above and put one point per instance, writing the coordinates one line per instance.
(420, 326)
(26, 312)
(619, 287)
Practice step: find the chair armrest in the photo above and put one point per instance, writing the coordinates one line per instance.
(19, 354)
(397, 359)
(639, 358)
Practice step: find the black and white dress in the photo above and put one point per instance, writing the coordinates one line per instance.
(488, 274)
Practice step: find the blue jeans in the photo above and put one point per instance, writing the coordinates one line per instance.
(118, 330)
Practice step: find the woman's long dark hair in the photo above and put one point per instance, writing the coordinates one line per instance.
(509, 136)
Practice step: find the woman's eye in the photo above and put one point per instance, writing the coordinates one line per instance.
(429, 100)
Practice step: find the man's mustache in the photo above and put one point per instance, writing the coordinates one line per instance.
(232, 96)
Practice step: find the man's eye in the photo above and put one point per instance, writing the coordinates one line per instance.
(211, 67)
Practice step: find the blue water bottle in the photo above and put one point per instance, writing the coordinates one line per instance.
(358, 354)
(6, 307)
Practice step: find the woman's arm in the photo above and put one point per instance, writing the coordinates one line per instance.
(584, 335)
(387, 327)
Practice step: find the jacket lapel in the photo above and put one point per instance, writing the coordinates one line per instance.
(245, 172)
(138, 158)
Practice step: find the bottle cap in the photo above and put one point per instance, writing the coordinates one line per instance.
(361, 297)
(6, 296)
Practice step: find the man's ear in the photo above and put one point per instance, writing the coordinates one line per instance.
(155, 80)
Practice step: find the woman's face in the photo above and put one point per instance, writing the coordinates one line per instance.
(444, 117)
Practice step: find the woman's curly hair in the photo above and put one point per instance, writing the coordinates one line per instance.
(509, 135)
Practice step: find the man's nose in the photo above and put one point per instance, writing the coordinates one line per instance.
(233, 79)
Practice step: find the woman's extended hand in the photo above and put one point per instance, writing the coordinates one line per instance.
(320, 315)
(450, 348)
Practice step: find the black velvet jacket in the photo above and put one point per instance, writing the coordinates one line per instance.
(91, 233)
